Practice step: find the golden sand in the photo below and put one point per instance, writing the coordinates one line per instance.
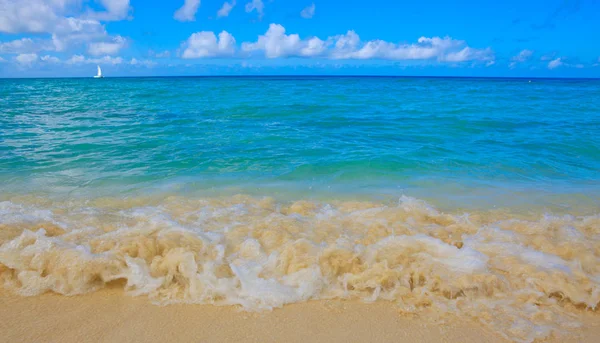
(108, 316)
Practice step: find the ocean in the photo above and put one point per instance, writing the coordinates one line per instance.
(466, 196)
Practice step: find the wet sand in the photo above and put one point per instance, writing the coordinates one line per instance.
(110, 316)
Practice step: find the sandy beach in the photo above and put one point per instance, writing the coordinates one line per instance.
(110, 316)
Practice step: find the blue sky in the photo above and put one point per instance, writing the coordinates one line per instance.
(551, 38)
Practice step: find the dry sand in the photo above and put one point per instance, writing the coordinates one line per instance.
(109, 316)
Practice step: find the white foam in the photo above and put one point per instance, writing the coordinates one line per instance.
(260, 254)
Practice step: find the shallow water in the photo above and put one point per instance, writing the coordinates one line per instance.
(470, 197)
(470, 140)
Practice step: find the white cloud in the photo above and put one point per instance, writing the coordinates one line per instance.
(561, 62)
(225, 9)
(73, 31)
(24, 45)
(313, 47)
(50, 59)
(26, 59)
(256, 5)
(469, 54)
(63, 20)
(205, 44)
(344, 44)
(275, 43)
(76, 59)
(144, 63)
(445, 49)
(308, 12)
(80, 59)
(115, 10)
(187, 12)
(43, 16)
(37, 16)
(106, 60)
(2, 60)
(107, 48)
(523, 56)
(555, 63)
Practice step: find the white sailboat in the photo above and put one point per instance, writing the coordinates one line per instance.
(99, 76)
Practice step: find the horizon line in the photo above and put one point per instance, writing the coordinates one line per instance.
(309, 75)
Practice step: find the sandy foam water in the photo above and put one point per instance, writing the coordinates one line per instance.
(525, 277)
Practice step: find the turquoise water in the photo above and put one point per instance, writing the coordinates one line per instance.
(462, 141)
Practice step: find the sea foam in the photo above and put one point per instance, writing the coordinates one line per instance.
(525, 277)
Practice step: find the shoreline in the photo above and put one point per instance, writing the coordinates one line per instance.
(520, 279)
(109, 316)
(452, 198)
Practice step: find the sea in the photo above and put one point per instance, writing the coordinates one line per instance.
(469, 197)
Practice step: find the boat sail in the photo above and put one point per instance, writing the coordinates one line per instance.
(99, 76)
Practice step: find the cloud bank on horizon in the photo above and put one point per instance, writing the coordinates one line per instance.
(60, 35)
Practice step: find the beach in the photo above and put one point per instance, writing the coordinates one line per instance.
(110, 316)
(521, 277)
(337, 209)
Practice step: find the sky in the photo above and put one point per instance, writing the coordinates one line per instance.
(511, 38)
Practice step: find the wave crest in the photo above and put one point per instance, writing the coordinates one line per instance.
(526, 278)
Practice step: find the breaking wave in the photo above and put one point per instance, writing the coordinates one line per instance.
(527, 277)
